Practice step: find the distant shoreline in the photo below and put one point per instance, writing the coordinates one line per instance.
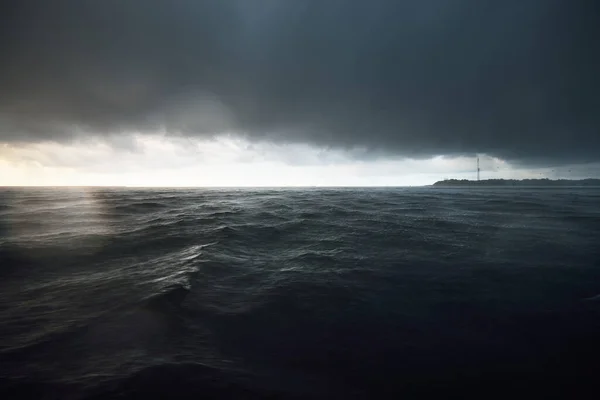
(519, 183)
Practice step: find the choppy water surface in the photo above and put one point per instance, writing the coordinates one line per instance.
(298, 293)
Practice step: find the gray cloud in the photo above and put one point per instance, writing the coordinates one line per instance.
(515, 79)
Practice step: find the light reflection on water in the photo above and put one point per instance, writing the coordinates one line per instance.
(77, 223)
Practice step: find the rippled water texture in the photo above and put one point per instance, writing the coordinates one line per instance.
(299, 293)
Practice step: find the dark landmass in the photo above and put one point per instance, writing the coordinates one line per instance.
(516, 182)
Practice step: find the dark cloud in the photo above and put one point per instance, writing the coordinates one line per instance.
(512, 78)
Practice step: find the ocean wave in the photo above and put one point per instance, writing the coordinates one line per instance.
(173, 295)
(142, 207)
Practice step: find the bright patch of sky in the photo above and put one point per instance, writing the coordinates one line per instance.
(159, 160)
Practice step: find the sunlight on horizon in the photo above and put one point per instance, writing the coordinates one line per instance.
(165, 161)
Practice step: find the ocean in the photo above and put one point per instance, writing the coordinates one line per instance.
(299, 293)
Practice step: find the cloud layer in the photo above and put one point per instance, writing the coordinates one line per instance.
(513, 79)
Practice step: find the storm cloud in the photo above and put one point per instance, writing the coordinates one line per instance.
(415, 78)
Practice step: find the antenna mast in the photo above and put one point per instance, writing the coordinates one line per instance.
(478, 169)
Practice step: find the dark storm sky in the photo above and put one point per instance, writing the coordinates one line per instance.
(516, 79)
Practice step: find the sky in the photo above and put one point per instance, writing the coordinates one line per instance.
(297, 92)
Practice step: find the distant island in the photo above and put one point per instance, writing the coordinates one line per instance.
(518, 182)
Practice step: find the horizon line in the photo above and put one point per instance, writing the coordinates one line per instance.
(212, 186)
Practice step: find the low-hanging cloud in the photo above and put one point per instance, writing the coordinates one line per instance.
(416, 78)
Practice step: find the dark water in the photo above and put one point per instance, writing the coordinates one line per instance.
(370, 293)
